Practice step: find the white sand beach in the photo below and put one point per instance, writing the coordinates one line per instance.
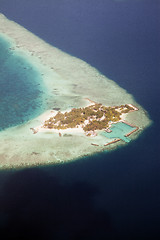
(73, 80)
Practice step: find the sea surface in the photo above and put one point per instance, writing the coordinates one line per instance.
(112, 195)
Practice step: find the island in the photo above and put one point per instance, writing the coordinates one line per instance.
(68, 128)
(89, 119)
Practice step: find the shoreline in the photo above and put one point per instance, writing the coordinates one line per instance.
(79, 130)
(70, 82)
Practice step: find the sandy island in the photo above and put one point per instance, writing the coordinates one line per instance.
(49, 124)
(69, 81)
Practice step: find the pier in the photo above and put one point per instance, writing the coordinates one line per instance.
(94, 144)
(90, 100)
(114, 141)
(131, 125)
(128, 134)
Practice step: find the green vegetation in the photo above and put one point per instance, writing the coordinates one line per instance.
(94, 117)
(126, 108)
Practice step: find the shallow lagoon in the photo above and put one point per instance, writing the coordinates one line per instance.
(119, 130)
(22, 91)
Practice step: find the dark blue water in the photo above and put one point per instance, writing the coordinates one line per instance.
(22, 90)
(106, 196)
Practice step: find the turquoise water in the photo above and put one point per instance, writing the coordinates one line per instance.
(119, 130)
(22, 92)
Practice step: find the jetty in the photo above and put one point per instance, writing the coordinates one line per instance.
(131, 125)
(128, 134)
(114, 141)
(94, 144)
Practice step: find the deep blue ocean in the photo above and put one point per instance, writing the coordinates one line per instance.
(112, 195)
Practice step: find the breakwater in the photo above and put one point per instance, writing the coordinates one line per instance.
(114, 141)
